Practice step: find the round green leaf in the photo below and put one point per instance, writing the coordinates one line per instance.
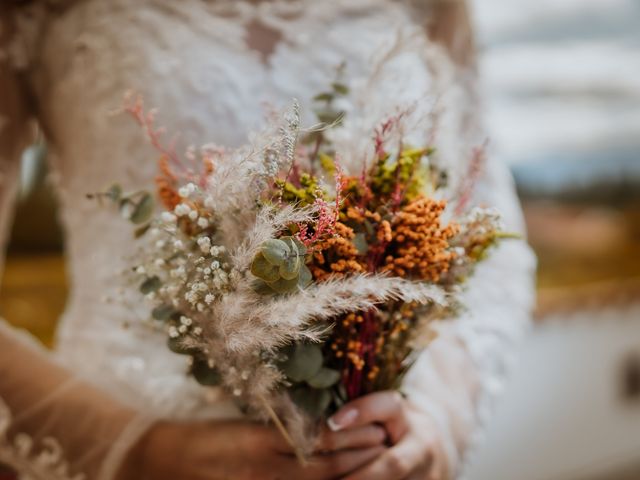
(204, 374)
(283, 285)
(292, 245)
(314, 402)
(302, 249)
(304, 277)
(142, 210)
(290, 268)
(325, 378)
(275, 251)
(163, 312)
(304, 361)
(261, 268)
(151, 284)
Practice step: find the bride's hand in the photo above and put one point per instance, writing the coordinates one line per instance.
(414, 449)
(241, 450)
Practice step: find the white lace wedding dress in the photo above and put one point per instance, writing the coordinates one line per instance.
(209, 65)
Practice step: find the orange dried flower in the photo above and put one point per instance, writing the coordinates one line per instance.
(166, 185)
(420, 245)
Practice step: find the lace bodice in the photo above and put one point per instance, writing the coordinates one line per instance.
(210, 67)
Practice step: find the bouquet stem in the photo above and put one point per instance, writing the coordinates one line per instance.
(283, 431)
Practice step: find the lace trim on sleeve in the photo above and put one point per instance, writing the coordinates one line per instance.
(32, 462)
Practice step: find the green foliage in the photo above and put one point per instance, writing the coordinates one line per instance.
(163, 312)
(325, 378)
(303, 195)
(204, 374)
(150, 284)
(405, 170)
(137, 207)
(280, 265)
(303, 362)
(314, 386)
(142, 209)
(314, 402)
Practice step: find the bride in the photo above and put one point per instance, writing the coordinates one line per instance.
(110, 402)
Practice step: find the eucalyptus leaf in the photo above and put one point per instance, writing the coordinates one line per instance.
(314, 402)
(330, 116)
(323, 97)
(275, 251)
(325, 378)
(140, 231)
(114, 193)
(264, 270)
(290, 269)
(298, 245)
(204, 374)
(340, 88)
(304, 361)
(151, 284)
(292, 245)
(284, 286)
(304, 277)
(360, 242)
(262, 288)
(163, 312)
(142, 210)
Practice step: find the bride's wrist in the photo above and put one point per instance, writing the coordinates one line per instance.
(154, 455)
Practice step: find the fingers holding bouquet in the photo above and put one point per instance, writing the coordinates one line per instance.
(413, 452)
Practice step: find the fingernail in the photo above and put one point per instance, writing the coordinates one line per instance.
(342, 419)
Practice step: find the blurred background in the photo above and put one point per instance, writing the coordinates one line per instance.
(562, 91)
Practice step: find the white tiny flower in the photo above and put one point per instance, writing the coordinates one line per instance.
(154, 232)
(200, 307)
(237, 392)
(205, 244)
(159, 262)
(208, 202)
(193, 215)
(203, 222)
(197, 331)
(215, 265)
(187, 190)
(178, 245)
(141, 270)
(182, 329)
(182, 209)
(168, 217)
(173, 332)
(209, 298)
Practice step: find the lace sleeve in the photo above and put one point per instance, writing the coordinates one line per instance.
(463, 370)
(53, 426)
(459, 376)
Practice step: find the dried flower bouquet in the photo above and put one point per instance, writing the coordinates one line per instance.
(293, 284)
